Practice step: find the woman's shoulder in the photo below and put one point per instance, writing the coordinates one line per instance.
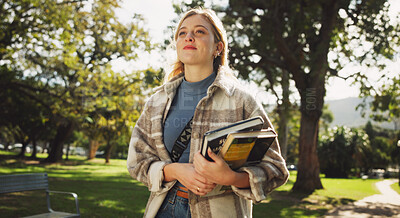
(161, 93)
(245, 90)
(168, 85)
(156, 97)
(226, 80)
(240, 87)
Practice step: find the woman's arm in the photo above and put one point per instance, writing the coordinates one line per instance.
(186, 174)
(145, 163)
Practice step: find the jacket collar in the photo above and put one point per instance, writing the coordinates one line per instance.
(226, 81)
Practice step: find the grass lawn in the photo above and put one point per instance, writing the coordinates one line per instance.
(103, 190)
(395, 186)
(284, 203)
(108, 191)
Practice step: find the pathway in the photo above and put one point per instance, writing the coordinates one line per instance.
(386, 204)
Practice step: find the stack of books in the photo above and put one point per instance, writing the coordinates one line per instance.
(243, 143)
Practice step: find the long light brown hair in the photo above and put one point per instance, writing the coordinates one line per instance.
(219, 36)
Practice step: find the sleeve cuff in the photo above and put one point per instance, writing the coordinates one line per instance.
(256, 177)
(156, 178)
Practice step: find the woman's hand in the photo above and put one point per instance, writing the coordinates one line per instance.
(187, 175)
(218, 171)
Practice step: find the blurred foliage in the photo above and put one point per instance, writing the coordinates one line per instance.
(385, 142)
(385, 105)
(56, 74)
(341, 150)
(345, 152)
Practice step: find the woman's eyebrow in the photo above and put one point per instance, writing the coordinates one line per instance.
(199, 25)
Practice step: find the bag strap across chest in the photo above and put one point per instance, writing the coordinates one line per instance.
(182, 142)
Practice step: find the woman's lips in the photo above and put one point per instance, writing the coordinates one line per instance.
(189, 47)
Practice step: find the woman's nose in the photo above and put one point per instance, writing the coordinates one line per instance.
(189, 37)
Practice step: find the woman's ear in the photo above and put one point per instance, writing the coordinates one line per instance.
(219, 48)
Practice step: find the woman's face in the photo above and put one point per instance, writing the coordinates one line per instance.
(195, 43)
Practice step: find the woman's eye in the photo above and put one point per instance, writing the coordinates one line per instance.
(200, 31)
(181, 33)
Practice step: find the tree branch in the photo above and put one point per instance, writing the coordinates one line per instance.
(292, 65)
(34, 98)
(70, 2)
(271, 60)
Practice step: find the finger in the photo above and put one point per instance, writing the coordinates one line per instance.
(199, 156)
(204, 183)
(197, 190)
(200, 164)
(201, 191)
(209, 187)
(203, 187)
(197, 160)
(213, 156)
(198, 169)
(202, 179)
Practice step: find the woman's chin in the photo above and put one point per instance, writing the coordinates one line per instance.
(191, 62)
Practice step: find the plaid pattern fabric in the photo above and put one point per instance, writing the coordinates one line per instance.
(226, 102)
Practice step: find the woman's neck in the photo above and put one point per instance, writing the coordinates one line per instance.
(197, 73)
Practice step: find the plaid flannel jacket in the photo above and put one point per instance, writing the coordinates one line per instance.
(226, 102)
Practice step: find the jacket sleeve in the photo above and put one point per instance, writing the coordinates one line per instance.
(271, 172)
(143, 162)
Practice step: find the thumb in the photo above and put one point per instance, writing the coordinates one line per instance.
(213, 156)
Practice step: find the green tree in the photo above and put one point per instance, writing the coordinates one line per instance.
(112, 106)
(341, 150)
(61, 45)
(270, 37)
(385, 105)
(326, 118)
(24, 118)
(292, 128)
(112, 110)
(383, 147)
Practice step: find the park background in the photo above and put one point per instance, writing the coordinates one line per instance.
(75, 76)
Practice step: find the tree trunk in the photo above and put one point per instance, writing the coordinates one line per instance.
(23, 149)
(283, 131)
(67, 153)
(284, 114)
(56, 146)
(108, 152)
(399, 160)
(93, 146)
(308, 166)
(34, 150)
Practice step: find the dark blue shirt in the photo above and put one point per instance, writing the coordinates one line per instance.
(182, 109)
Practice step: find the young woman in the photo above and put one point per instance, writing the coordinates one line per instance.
(201, 89)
